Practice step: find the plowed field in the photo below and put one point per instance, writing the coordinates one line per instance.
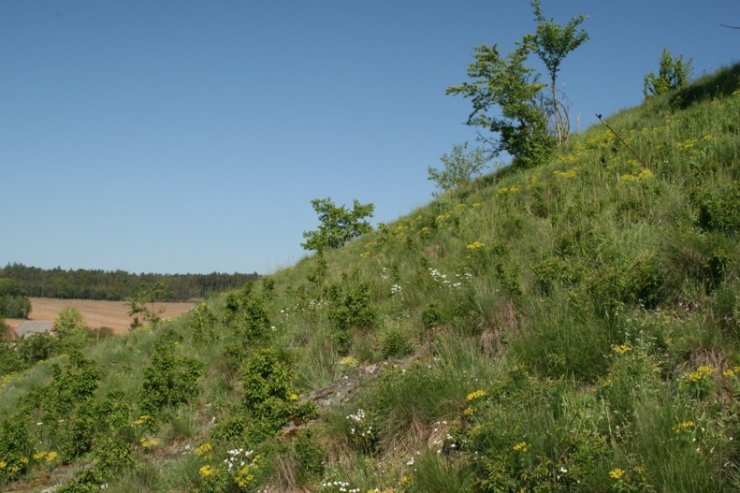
(113, 314)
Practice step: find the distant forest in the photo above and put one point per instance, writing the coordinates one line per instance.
(119, 284)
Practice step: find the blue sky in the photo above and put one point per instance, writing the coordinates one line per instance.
(190, 136)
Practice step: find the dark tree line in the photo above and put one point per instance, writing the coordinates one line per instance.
(119, 284)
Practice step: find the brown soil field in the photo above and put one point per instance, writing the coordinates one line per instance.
(113, 314)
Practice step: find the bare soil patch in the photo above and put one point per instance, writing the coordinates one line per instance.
(113, 314)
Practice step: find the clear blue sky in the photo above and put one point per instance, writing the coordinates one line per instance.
(190, 136)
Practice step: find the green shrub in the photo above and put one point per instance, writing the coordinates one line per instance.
(719, 210)
(396, 344)
(13, 302)
(350, 308)
(169, 379)
(310, 456)
(15, 448)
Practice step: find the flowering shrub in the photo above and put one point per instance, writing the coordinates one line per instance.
(362, 433)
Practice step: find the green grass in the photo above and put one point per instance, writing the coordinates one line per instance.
(569, 327)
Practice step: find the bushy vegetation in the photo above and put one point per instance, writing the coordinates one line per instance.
(13, 301)
(569, 326)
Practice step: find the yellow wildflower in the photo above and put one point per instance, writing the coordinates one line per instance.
(468, 411)
(684, 426)
(206, 471)
(511, 189)
(701, 374)
(3, 465)
(475, 395)
(476, 245)
(622, 348)
(476, 205)
(520, 447)
(39, 455)
(349, 361)
(568, 173)
(292, 396)
(148, 442)
(203, 449)
(645, 174)
(143, 419)
(616, 473)
(51, 456)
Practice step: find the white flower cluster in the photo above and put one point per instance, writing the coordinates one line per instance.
(359, 428)
(238, 458)
(396, 290)
(315, 304)
(441, 278)
(339, 487)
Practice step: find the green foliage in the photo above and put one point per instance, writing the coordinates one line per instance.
(269, 398)
(310, 456)
(36, 347)
(460, 167)
(350, 308)
(15, 449)
(338, 224)
(506, 85)
(720, 210)
(170, 378)
(396, 344)
(13, 302)
(71, 329)
(673, 73)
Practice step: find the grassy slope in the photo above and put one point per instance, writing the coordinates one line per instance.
(573, 327)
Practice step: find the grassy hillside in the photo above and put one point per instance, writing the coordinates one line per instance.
(570, 327)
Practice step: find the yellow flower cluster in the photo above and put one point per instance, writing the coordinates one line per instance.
(622, 348)
(476, 245)
(520, 447)
(148, 442)
(44, 456)
(511, 189)
(143, 419)
(203, 449)
(701, 374)
(568, 173)
(645, 174)
(684, 426)
(475, 395)
(731, 372)
(616, 473)
(7, 378)
(349, 361)
(206, 471)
